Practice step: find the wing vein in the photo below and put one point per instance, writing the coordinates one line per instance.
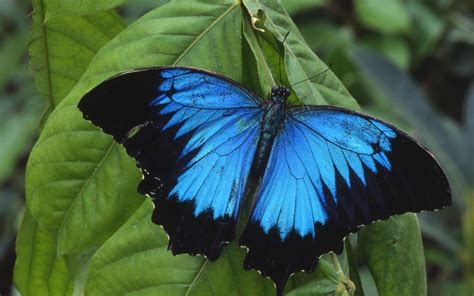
(329, 141)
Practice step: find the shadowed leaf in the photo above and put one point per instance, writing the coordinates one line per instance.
(393, 250)
(61, 48)
(37, 269)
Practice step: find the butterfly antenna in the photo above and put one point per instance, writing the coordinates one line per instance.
(309, 78)
(280, 56)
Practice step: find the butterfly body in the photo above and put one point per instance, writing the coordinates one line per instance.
(272, 122)
(312, 174)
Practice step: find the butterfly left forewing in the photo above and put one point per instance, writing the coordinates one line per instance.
(193, 135)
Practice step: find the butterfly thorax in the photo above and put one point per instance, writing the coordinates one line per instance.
(272, 122)
(275, 112)
(280, 94)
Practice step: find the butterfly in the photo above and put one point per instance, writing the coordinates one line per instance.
(312, 174)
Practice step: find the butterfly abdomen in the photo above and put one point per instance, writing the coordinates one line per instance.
(272, 121)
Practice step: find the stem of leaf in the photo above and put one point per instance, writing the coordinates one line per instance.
(336, 264)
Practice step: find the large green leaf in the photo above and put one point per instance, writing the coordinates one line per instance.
(393, 250)
(78, 7)
(318, 86)
(294, 7)
(61, 48)
(156, 39)
(71, 187)
(384, 16)
(37, 269)
(136, 261)
(82, 186)
(75, 40)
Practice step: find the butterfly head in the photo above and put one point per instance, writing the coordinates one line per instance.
(280, 94)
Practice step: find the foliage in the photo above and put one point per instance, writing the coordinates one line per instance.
(86, 230)
(20, 109)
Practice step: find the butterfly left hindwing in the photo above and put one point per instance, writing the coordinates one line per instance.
(193, 134)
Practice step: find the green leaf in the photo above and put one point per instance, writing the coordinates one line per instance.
(319, 85)
(353, 270)
(294, 7)
(394, 48)
(61, 48)
(56, 8)
(10, 57)
(16, 131)
(70, 182)
(468, 232)
(65, 171)
(393, 251)
(427, 28)
(331, 279)
(367, 281)
(469, 121)
(325, 37)
(136, 261)
(383, 16)
(156, 39)
(82, 187)
(37, 269)
(257, 71)
(265, 57)
(132, 10)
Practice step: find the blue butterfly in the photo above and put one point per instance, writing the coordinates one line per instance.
(314, 173)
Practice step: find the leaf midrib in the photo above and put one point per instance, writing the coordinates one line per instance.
(198, 275)
(86, 184)
(91, 177)
(201, 35)
(42, 26)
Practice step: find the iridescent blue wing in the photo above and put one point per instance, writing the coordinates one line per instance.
(330, 171)
(194, 135)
